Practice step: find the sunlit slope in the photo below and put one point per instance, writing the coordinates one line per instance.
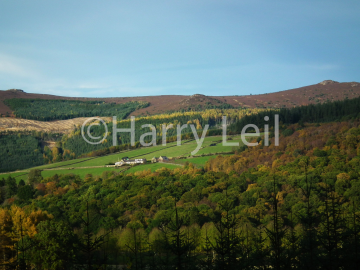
(97, 165)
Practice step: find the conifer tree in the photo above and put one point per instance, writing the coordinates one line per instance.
(90, 244)
(276, 235)
(308, 257)
(228, 241)
(175, 240)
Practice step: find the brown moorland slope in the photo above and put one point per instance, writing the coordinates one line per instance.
(158, 104)
(327, 90)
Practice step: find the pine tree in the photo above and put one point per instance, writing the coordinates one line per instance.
(276, 235)
(90, 244)
(175, 240)
(228, 241)
(308, 257)
(331, 232)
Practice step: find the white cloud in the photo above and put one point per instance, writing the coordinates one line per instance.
(18, 68)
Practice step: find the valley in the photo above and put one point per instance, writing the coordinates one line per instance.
(179, 135)
(242, 195)
(211, 147)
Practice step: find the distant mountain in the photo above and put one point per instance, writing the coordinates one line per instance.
(327, 90)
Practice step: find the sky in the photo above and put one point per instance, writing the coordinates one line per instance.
(161, 47)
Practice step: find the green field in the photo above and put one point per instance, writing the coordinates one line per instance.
(18, 175)
(153, 167)
(199, 161)
(80, 172)
(63, 163)
(146, 152)
(93, 171)
(170, 150)
(219, 148)
(214, 149)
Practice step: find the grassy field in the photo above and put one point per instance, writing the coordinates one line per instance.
(63, 163)
(219, 148)
(98, 171)
(170, 150)
(147, 152)
(94, 171)
(214, 149)
(153, 167)
(18, 175)
(80, 172)
(199, 161)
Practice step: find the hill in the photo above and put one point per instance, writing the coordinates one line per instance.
(60, 126)
(26, 149)
(211, 147)
(254, 204)
(260, 201)
(327, 90)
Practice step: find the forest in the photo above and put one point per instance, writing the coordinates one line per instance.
(322, 112)
(70, 146)
(330, 111)
(48, 109)
(292, 206)
(22, 150)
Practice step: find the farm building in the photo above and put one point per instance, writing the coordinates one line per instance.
(130, 162)
(160, 159)
(163, 159)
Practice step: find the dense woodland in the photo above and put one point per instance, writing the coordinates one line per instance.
(47, 109)
(71, 146)
(292, 206)
(22, 150)
(330, 111)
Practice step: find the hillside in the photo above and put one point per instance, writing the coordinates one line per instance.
(60, 126)
(306, 189)
(21, 150)
(318, 93)
(211, 147)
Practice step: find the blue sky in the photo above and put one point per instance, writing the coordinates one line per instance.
(138, 48)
